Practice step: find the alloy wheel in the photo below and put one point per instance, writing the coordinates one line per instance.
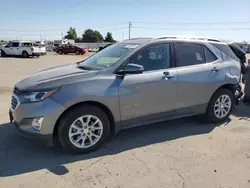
(222, 106)
(85, 131)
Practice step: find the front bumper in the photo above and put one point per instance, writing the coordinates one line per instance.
(23, 114)
(48, 139)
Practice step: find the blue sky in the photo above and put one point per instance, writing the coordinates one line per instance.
(30, 19)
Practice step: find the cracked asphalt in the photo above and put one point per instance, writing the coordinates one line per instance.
(180, 154)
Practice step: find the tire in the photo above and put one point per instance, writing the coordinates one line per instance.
(25, 54)
(214, 105)
(77, 52)
(70, 121)
(60, 52)
(3, 54)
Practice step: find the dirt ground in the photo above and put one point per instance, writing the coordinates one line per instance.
(179, 154)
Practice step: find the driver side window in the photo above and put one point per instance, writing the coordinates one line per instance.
(154, 57)
(9, 45)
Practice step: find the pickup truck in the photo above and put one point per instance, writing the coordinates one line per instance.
(22, 48)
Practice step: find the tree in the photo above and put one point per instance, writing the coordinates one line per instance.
(90, 35)
(78, 39)
(109, 37)
(71, 34)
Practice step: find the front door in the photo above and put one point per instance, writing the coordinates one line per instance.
(8, 49)
(194, 67)
(150, 96)
(15, 49)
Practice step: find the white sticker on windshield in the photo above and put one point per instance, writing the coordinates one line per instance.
(131, 46)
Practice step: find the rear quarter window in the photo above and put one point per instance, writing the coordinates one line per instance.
(226, 50)
(27, 44)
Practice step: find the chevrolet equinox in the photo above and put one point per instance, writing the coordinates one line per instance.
(131, 83)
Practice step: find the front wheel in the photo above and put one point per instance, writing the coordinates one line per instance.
(77, 52)
(220, 106)
(83, 129)
(3, 54)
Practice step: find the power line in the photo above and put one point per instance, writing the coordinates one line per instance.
(193, 23)
(107, 27)
(201, 29)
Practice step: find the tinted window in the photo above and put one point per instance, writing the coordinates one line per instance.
(210, 57)
(153, 58)
(26, 44)
(225, 49)
(15, 44)
(189, 54)
(9, 45)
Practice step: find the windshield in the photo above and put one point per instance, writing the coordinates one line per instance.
(108, 56)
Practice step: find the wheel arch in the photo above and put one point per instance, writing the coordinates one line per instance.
(230, 87)
(94, 103)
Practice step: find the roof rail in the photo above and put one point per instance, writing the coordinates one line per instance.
(188, 37)
(138, 38)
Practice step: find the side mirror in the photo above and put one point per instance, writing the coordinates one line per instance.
(131, 69)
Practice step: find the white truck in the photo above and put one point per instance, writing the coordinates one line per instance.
(22, 48)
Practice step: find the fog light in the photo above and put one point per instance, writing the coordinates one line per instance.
(37, 123)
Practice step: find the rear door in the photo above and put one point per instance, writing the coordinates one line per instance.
(150, 96)
(196, 72)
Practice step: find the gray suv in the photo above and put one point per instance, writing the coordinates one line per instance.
(131, 83)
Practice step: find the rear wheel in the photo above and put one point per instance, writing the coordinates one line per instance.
(220, 106)
(77, 52)
(25, 54)
(60, 52)
(83, 129)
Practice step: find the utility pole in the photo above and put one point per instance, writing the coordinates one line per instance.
(62, 34)
(129, 28)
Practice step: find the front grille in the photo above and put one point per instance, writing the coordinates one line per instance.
(14, 102)
(16, 91)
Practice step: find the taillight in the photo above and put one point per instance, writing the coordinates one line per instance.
(248, 61)
(32, 49)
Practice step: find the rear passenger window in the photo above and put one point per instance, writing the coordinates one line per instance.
(15, 44)
(210, 57)
(189, 54)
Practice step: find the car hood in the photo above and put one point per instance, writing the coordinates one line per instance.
(54, 77)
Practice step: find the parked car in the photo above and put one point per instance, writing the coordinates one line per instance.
(132, 83)
(22, 48)
(69, 48)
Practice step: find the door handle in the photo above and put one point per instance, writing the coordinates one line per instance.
(168, 75)
(215, 69)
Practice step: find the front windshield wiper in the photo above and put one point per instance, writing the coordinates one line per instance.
(84, 67)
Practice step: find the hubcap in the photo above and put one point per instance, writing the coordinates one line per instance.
(85, 131)
(222, 106)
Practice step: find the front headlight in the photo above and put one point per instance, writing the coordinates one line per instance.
(37, 96)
